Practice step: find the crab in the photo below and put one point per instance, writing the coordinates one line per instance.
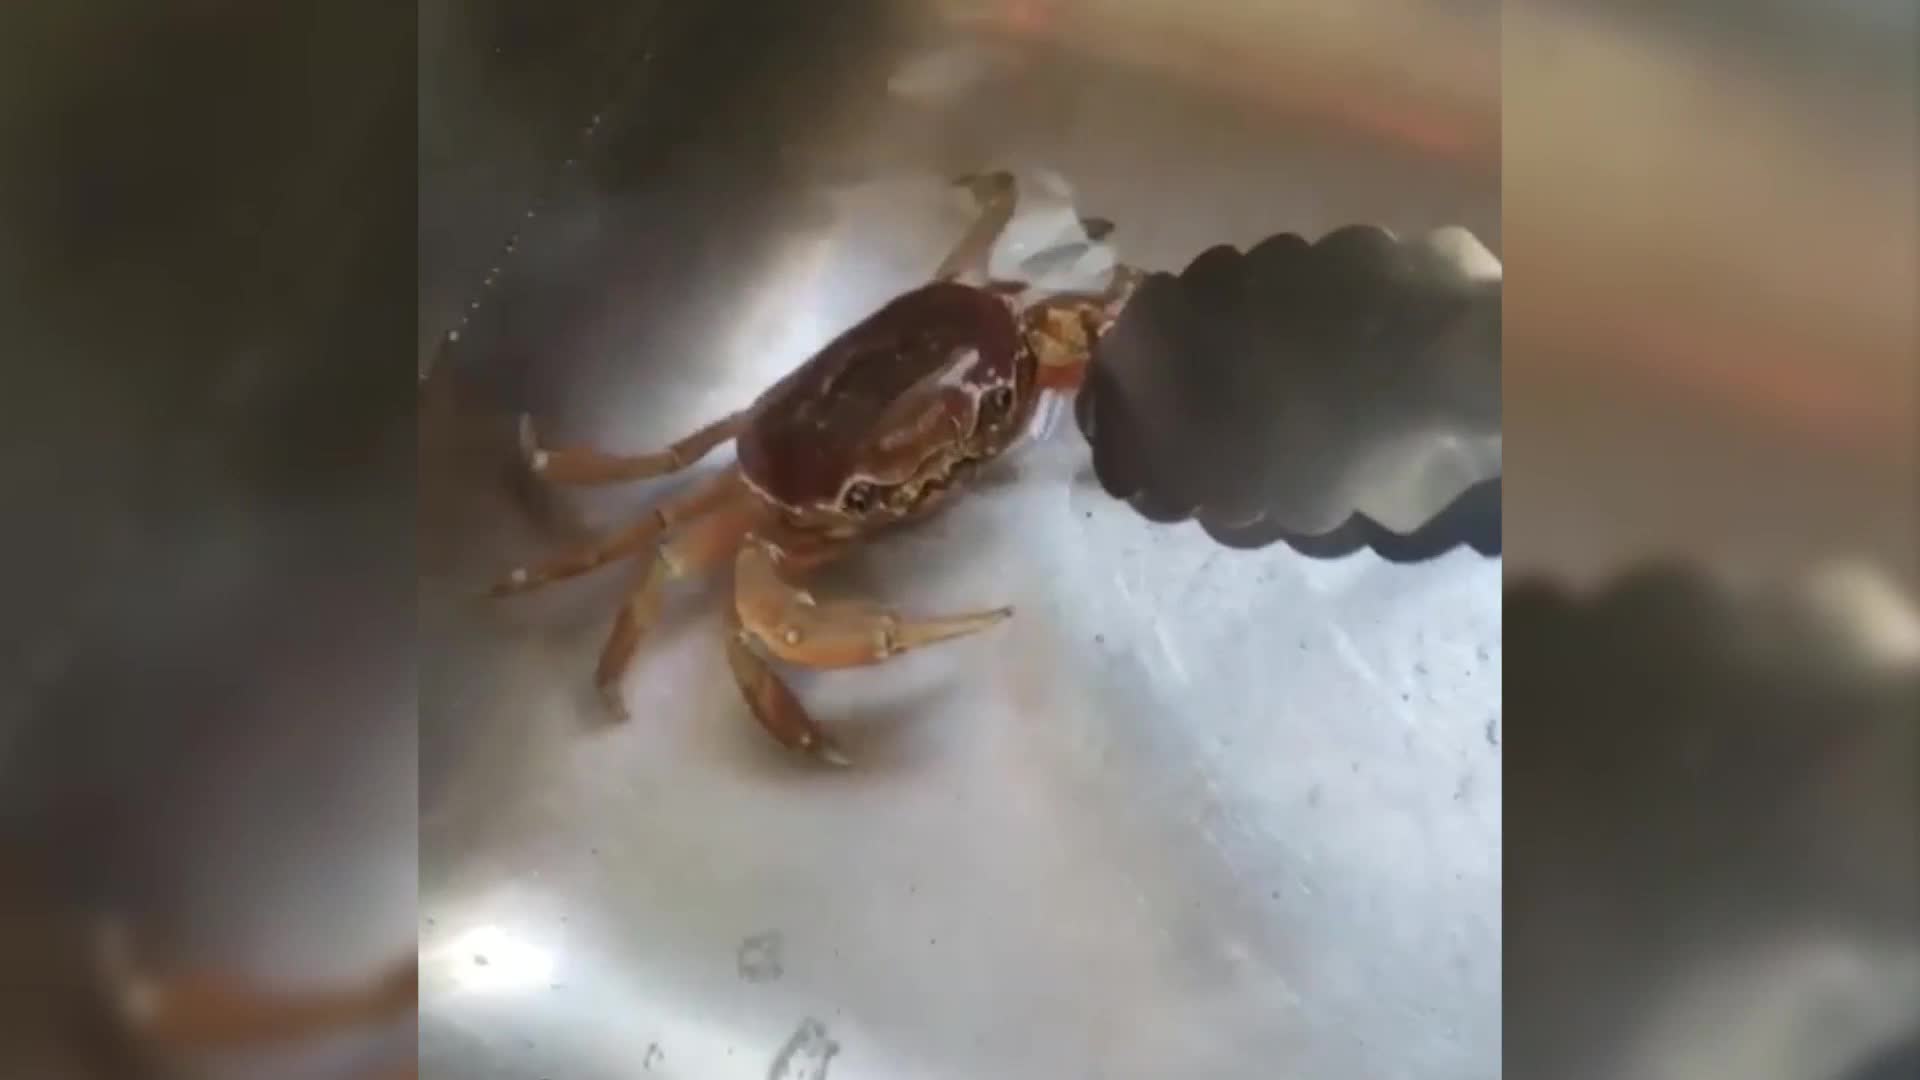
(877, 430)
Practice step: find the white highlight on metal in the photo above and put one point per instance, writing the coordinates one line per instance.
(1046, 417)
(1464, 252)
(489, 959)
(1046, 233)
(1864, 613)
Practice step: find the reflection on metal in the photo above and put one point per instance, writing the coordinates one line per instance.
(1248, 796)
(1047, 245)
(489, 959)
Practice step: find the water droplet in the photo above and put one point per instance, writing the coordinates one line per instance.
(529, 213)
(453, 335)
(474, 306)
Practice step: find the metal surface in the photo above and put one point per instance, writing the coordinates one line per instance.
(1191, 812)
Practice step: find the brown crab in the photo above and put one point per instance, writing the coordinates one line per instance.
(874, 431)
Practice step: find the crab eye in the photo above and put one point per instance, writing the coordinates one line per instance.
(999, 401)
(858, 497)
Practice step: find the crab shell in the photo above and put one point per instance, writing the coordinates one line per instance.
(885, 419)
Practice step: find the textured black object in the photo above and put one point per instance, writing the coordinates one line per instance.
(1317, 394)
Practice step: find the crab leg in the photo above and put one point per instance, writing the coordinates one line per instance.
(778, 711)
(216, 1010)
(584, 465)
(703, 545)
(995, 194)
(687, 506)
(791, 625)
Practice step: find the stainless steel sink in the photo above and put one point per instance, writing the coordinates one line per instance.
(1191, 812)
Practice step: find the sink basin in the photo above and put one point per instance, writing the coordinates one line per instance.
(1191, 812)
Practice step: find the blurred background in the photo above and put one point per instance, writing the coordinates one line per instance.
(1711, 391)
(206, 646)
(1712, 218)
